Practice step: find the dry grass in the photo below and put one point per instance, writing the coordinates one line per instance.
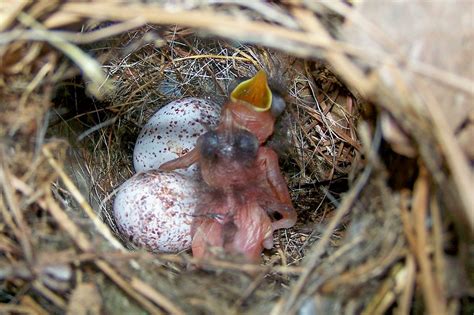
(75, 90)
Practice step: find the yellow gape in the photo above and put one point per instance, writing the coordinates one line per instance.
(254, 91)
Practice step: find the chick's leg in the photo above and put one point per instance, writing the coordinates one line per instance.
(207, 235)
(254, 232)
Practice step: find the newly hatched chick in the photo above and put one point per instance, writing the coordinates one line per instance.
(245, 188)
(252, 107)
(244, 179)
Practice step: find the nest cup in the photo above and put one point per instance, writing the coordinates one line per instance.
(146, 76)
(365, 160)
(210, 69)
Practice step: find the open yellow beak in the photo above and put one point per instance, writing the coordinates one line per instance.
(254, 91)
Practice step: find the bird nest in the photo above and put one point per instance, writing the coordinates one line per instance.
(379, 172)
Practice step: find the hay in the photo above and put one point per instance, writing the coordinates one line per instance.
(78, 80)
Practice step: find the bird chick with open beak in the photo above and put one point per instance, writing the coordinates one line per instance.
(234, 214)
(251, 107)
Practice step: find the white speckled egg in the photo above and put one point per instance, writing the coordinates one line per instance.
(153, 210)
(172, 132)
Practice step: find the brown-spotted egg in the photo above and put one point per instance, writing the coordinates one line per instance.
(154, 210)
(172, 132)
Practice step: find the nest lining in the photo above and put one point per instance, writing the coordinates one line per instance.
(209, 71)
(355, 256)
(151, 76)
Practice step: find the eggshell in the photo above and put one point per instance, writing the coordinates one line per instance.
(154, 210)
(172, 132)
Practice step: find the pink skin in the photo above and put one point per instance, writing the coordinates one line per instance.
(262, 183)
(246, 231)
(233, 115)
(236, 217)
(235, 214)
(241, 115)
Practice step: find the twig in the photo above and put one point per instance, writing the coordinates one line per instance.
(97, 127)
(270, 12)
(249, 290)
(23, 232)
(368, 269)
(28, 301)
(103, 33)
(156, 297)
(37, 80)
(404, 301)
(386, 293)
(91, 67)
(439, 260)
(84, 244)
(99, 224)
(219, 24)
(48, 203)
(461, 173)
(434, 302)
(50, 295)
(212, 57)
(229, 265)
(16, 309)
(315, 256)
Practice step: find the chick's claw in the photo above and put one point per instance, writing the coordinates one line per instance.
(283, 215)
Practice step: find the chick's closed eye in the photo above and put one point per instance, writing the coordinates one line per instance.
(209, 145)
(245, 147)
(229, 146)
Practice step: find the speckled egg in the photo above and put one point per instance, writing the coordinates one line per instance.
(153, 210)
(172, 132)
